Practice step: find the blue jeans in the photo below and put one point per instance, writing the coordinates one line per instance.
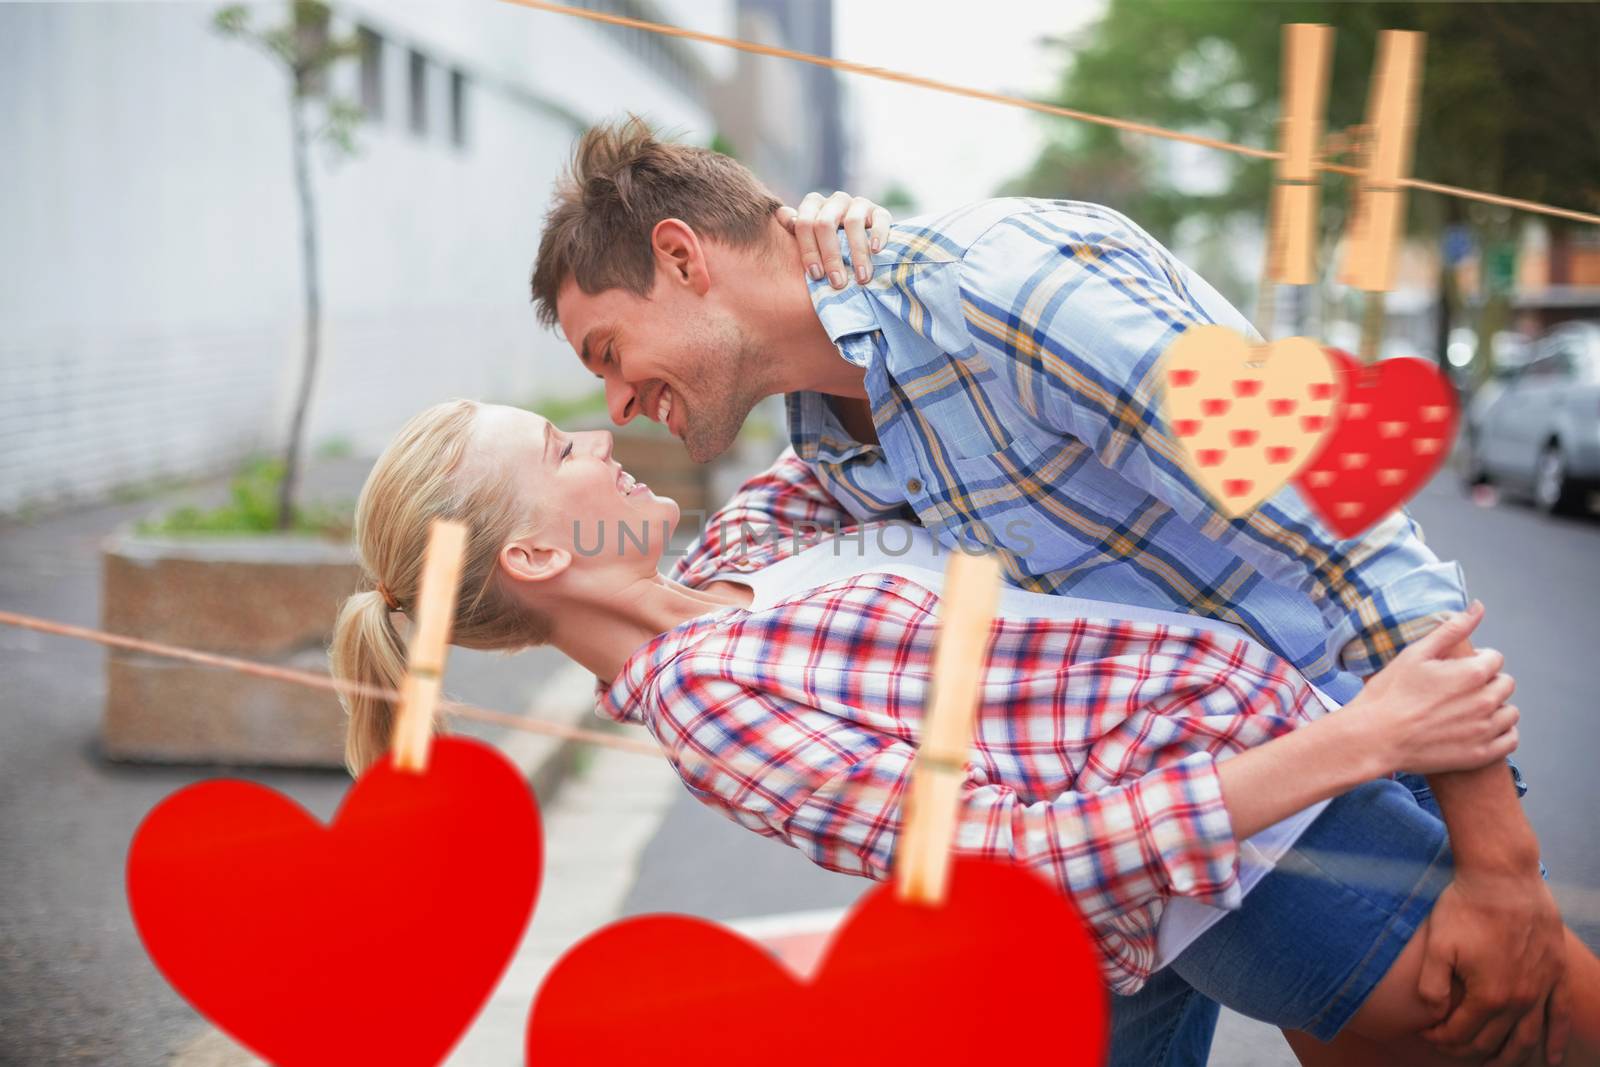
(1170, 1023)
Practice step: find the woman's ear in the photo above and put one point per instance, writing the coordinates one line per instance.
(679, 252)
(524, 561)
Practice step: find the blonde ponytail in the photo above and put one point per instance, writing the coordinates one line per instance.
(367, 649)
(415, 481)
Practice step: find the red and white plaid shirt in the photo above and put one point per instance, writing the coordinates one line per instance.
(1094, 760)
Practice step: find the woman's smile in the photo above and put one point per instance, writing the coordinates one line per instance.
(627, 485)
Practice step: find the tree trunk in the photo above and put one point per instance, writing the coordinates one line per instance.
(313, 298)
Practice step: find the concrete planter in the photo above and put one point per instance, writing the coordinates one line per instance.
(269, 599)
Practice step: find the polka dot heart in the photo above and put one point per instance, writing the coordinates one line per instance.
(1246, 417)
(1394, 429)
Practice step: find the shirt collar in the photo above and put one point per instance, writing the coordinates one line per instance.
(848, 318)
(844, 313)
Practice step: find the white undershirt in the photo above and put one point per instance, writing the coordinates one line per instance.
(923, 562)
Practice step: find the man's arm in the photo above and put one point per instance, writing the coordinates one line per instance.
(1496, 926)
(1076, 321)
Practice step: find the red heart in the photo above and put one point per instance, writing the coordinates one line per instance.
(1351, 482)
(1237, 486)
(374, 940)
(1279, 454)
(1186, 427)
(1184, 377)
(1210, 457)
(1247, 386)
(1280, 407)
(1214, 406)
(969, 981)
(1241, 438)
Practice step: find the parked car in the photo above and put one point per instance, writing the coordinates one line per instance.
(1536, 430)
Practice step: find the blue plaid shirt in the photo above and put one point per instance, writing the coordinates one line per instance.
(1011, 351)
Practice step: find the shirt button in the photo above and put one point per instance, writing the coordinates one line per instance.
(914, 485)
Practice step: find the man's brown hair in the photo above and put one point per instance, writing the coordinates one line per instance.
(621, 182)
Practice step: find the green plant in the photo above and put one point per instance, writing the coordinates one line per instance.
(252, 508)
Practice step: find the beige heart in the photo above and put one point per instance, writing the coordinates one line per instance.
(1247, 416)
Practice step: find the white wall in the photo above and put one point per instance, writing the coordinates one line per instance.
(150, 303)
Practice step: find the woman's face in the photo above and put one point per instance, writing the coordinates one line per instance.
(586, 503)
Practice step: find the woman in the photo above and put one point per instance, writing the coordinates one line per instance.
(1124, 758)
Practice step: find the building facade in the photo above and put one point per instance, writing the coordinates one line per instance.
(784, 119)
(150, 281)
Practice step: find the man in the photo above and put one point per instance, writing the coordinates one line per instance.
(996, 380)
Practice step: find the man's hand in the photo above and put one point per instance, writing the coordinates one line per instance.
(1504, 938)
(1496, 927)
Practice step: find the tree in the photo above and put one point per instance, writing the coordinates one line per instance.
(1507, 106)
(306, 49)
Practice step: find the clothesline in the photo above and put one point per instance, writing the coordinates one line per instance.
(320, 681)
(1035, 105)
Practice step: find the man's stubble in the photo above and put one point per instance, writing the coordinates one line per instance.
(724, 385)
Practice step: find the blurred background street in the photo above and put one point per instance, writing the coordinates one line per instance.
(225, 281)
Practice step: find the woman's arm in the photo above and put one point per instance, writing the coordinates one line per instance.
(767, 746)
(1427, 711)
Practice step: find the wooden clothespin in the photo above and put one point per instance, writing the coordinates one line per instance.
(1374, 234)
(429, 644)
(966, 610)
(1292, 229)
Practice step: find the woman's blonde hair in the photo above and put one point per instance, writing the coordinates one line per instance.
(416, 480)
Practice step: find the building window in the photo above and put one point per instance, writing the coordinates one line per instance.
(418, 79)
(458, 109)
(371, 73)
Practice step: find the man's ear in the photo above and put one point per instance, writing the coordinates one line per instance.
(525, 561)
(679, 252)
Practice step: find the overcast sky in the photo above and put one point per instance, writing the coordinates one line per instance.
(947, 150)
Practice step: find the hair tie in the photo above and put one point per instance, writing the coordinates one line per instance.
(388, 598)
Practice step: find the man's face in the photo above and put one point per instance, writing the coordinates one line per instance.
(671, 357)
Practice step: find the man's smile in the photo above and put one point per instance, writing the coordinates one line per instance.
(664, 405)
(659, 405)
